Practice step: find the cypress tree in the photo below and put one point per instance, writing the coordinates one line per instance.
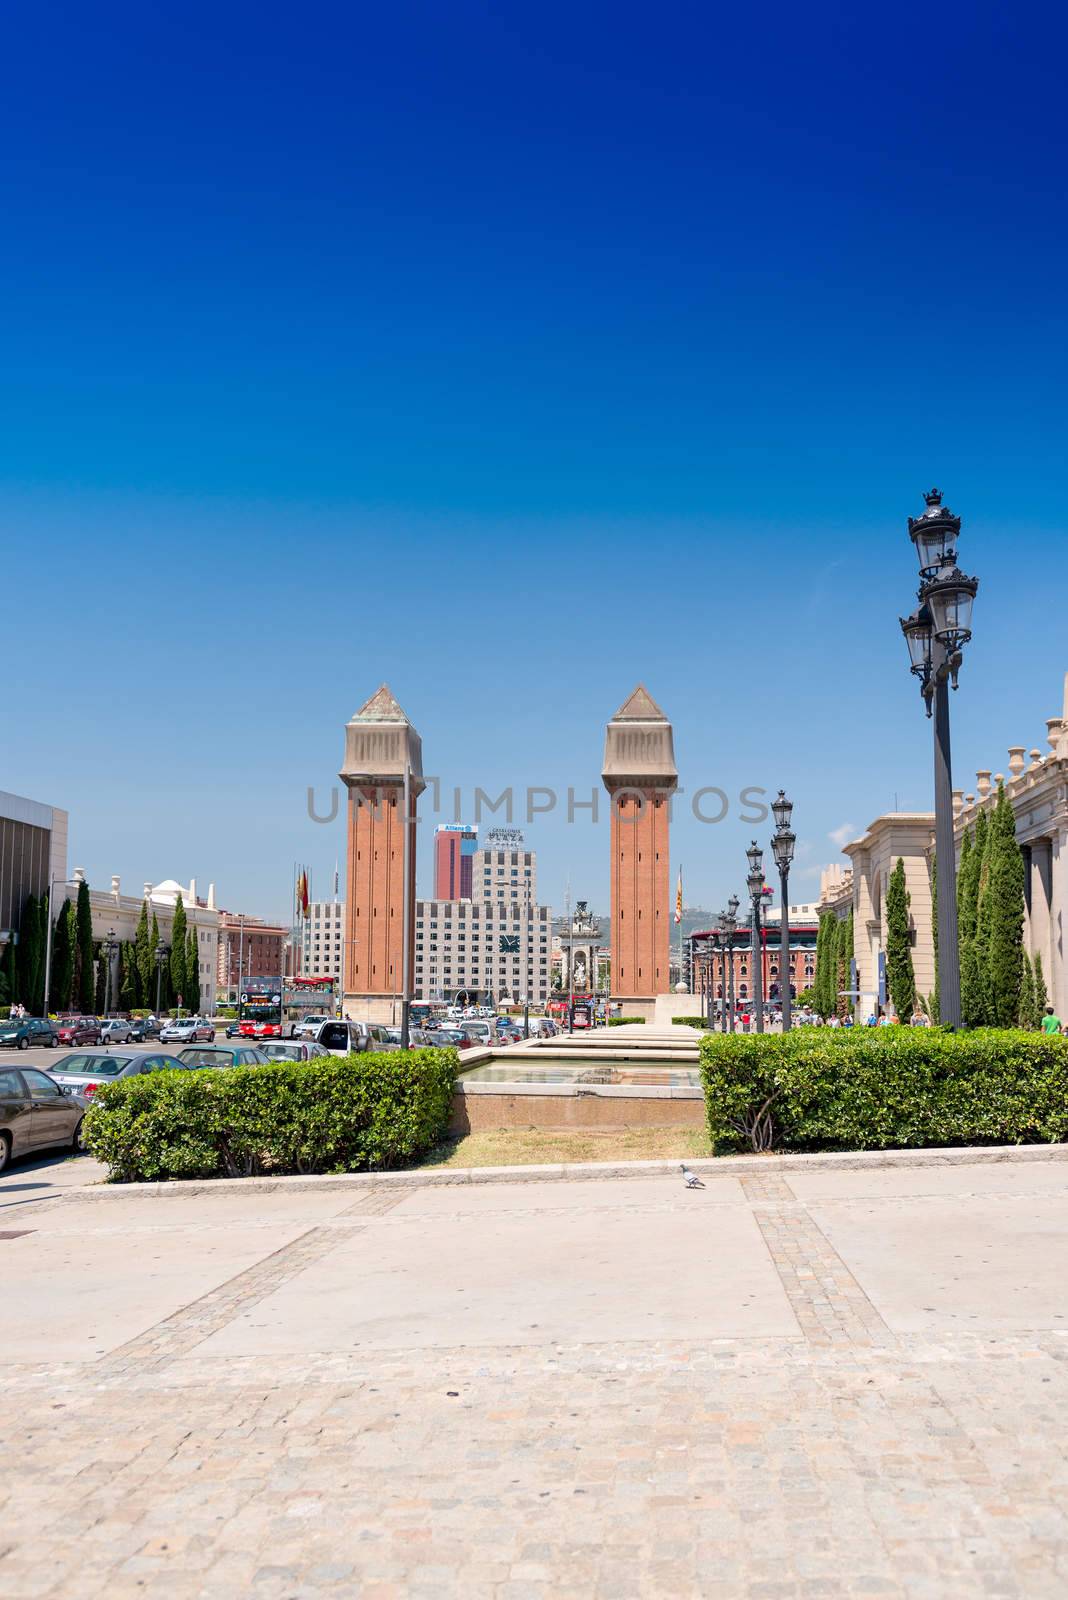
(845, 956)
(30, 964)
(932, 999)
(822, 962)
(8, 975)
(979, 991)
(145, 960)
(192, 971)
(1027, 995)
(127, 976)
(178, 953)
(62, 961)
(1006, 917)
(86, 953)
(1041, 994)
(900, 977)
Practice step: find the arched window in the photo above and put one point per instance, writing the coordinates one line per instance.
(743, 990)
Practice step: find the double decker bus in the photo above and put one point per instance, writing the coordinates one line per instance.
(268, 1009)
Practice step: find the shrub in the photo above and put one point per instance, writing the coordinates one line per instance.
(353, 1113)
(886, 1088)
(691, 1022)
(617, 1022)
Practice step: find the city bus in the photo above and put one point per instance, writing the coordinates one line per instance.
(268, 1011)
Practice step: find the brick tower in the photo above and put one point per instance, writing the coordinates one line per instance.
(380, 743)
(640, 775)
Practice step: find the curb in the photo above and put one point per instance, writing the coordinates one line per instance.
(584, 1171)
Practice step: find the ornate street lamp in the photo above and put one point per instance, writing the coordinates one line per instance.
(729, 919)
(107, 949)
(782, 845)
(161, 956)
(936, 634)
(755, 885)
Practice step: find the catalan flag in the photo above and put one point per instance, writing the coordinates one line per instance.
(302, 893)
(678, 899)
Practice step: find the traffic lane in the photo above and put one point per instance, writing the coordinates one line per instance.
(50, 1059)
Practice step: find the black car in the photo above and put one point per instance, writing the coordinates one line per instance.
(142, 1029)
(36, 1113)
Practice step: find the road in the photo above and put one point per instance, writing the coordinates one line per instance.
(827, 1383)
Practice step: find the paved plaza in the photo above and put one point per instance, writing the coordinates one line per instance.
(791, 1382)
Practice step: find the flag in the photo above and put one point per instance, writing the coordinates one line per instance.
(678, 899)
(302, 893)
(335, 877)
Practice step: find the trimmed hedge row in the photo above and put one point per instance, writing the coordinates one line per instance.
(346, 1114)
(890, 1088)
(692, 1022)
(617, 1022)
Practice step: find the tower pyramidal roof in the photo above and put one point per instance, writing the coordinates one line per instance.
(381, 707)
(639, 707)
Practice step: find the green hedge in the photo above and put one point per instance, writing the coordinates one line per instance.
(617, 1022)
(886, 1088)
(346, 1114)
(692, 1022)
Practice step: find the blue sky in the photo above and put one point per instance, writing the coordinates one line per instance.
(513, 356)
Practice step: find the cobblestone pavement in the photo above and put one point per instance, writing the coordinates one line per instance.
(847, 1384)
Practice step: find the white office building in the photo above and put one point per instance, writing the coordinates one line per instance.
(489, 949)
(322, 941)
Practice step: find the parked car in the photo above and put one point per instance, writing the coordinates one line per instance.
(223, 1055)
(143, 1029)
(24, 1031)
(309, 1026)
(478, 1032)
(292, 1050)
(187, 1030)
(443, 1036)
(78, 1030)
(36, 1113)
(115, 1030)
(344, 1038)
(233, 1029)
(85, 1073)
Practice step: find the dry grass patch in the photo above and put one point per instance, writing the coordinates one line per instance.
(525, 1147)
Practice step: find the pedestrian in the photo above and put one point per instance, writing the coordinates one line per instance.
(1051, 1023)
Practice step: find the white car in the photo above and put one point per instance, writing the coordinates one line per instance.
(309, 1026)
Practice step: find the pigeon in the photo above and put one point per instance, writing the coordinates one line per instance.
(691, 1178)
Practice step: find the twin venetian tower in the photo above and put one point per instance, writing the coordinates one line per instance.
(383, 773)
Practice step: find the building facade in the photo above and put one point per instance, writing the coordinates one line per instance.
(504, 870)
(454, 848)
(33, 854)
(323, 940)
(118, 914)
(640, 775)
(485, 950)
(710, 961)
(248, 947)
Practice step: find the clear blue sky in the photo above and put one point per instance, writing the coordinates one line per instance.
(513, 355)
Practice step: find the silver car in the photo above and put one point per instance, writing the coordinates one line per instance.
(85, 1070)
(187, 1030)
(115, 1030)
(292, 1050)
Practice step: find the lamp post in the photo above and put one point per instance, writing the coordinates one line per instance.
(107, 949)
(755, 884)
(782, 845)
(161, 956)
(730, 923)
(936, 634)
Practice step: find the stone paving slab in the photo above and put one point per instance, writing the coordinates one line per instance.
(851, 1451)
